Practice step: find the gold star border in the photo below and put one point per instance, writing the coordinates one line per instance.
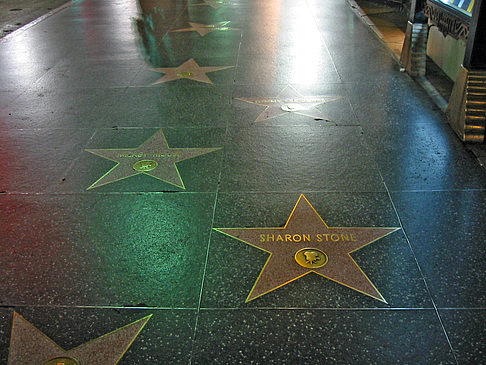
(380, 232)
(28, 345)
(289, 95)
(168, 173)
(188, 70)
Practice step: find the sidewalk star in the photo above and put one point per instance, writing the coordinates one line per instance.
(154, 158)
(188, 70)
(307, 244)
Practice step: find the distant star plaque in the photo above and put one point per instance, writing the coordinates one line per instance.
(212, 3)
(188, 70)
(205, 29)
(154, 158)
(290, 100)
(29, 346)
(307, 244)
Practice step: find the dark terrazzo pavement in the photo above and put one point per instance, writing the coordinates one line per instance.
(78, 263)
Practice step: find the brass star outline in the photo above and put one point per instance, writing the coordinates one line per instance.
(188, 70)
(28, 345)
(155, 149)
(212, 3)
(204, 29)
(338, 243)
(304, 105)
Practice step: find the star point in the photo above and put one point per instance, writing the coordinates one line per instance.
(28, 345)
(307, 244)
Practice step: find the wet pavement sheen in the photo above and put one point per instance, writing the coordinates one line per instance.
(152, 157)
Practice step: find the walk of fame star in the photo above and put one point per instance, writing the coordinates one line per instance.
(188, 70)
(204, 29)
(212, 3)
(290, 100)
(307, 244)
(30, 346)
(154, 158)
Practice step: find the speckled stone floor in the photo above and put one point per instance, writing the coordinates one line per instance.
(16, 13)
(230, 182)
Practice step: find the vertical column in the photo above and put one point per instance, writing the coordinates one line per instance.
(414, 51)
(466, 111)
